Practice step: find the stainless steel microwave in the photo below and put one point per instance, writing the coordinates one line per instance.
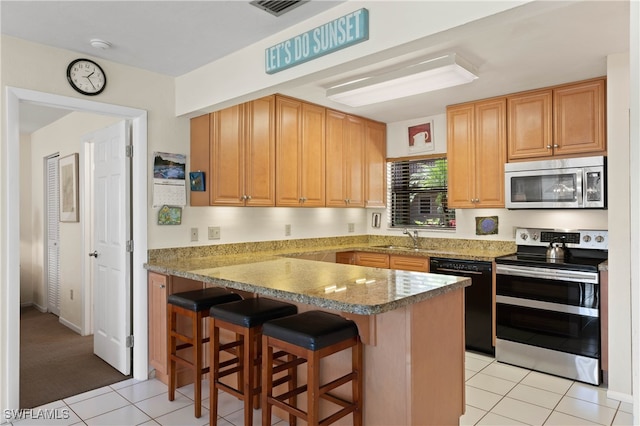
(573, 183)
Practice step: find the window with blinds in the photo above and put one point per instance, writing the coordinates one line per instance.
(418, 194)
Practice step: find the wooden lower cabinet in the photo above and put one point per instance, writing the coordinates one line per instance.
(409, 263)
(347, 257)
(160, 287)
(375, 260)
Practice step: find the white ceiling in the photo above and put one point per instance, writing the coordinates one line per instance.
(538, 44)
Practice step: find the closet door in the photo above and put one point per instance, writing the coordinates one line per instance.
(53, 235)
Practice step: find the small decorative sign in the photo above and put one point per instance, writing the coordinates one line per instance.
(335, 35)
(486, 225)
(170, 215)
(421, 137)
(197, 181)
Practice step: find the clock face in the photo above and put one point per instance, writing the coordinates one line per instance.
(86, 77)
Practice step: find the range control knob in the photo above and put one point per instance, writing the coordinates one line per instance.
(599, 239)
(524, 236)
(534, 237)
(586, 238)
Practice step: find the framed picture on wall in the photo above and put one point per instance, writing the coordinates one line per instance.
(68, 167)
(421, 137)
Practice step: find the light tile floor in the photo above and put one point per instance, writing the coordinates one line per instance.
(496, 394)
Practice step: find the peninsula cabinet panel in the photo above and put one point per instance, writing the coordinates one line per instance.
(300, 151)
(476, 154)
(375, 154)
(345, 160)
(346, 257)
(579, 119)
(199, 158)
(529, 126)
(158, 293)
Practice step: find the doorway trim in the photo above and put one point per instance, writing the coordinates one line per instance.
(9, 286)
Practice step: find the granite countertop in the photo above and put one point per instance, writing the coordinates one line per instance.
(346, 288)
(275, 270)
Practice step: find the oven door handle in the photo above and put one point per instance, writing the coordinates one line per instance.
(548, 306)
(457, 271)
(549, 274)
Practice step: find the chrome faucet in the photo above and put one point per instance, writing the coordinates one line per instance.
(413, 237)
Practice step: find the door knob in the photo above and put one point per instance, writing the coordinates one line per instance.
(94, 254)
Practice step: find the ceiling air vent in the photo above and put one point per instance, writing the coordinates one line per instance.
(277, 7)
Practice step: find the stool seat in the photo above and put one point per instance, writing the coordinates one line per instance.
(252, 312)
(311, 330)
(199, 300)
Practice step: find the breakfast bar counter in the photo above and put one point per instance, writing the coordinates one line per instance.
(411, 324)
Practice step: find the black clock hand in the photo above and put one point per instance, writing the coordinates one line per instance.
(87, 77)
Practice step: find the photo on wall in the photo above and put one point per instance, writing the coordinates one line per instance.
(421, 137)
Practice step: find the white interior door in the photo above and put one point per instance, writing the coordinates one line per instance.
(110, 256)
(53, 234)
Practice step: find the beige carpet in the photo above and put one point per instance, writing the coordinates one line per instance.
(56, 362)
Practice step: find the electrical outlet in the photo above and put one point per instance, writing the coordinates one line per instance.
(194, 234)
(214, 232)
(287, 230)
(352, 227)
(71, 294)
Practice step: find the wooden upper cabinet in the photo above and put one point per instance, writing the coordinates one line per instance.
(579, 118)
(563, 121)
(235, 147)
(300, 150)
(227, 156)
(476, 154)
(530, 132)
(199, 157)
(345, 160)
(260, 152)
(375, 155)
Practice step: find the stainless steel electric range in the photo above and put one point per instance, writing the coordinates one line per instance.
(548, 307)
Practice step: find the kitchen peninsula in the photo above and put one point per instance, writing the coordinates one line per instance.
(411, 323)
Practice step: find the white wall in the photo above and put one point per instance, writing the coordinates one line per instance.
(64, 137)
(26, 264)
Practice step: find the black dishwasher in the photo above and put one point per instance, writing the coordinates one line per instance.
(477, 298)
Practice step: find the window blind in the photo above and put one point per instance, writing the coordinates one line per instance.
(418, 194)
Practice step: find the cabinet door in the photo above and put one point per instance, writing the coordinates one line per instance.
(260, 152)
(490, 152)
(312, 158)
(346, 257)
(288, 151)
(409, 263)
(354, 164)
(579, 119)
(158, 323)
(460, 156)
(529, 128)
(199, 158)
(376, 260)
(227, 157)
(336, 153)
(375, 154)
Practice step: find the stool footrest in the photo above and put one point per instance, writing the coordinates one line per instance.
(289, 408)
(337, 382)
(288, 364)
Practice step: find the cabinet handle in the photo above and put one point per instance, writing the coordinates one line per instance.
(244, 197)
(247, 197)
(556, 146)
(548, 146)
(162, 286)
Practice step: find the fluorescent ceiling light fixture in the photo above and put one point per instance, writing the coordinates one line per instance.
(433, 74)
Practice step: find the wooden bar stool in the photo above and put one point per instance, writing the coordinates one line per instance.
(311, 336)
(245, 319)
(194, 305)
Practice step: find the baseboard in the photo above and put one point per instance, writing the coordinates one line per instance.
(619, 396)
(42, 309)
(26, 304)
(70, 325)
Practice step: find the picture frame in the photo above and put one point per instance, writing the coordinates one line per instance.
(68, 172)
(170, 215)
(421, 137)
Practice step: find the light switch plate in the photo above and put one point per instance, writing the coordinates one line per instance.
(214, 232)
(194, 234)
